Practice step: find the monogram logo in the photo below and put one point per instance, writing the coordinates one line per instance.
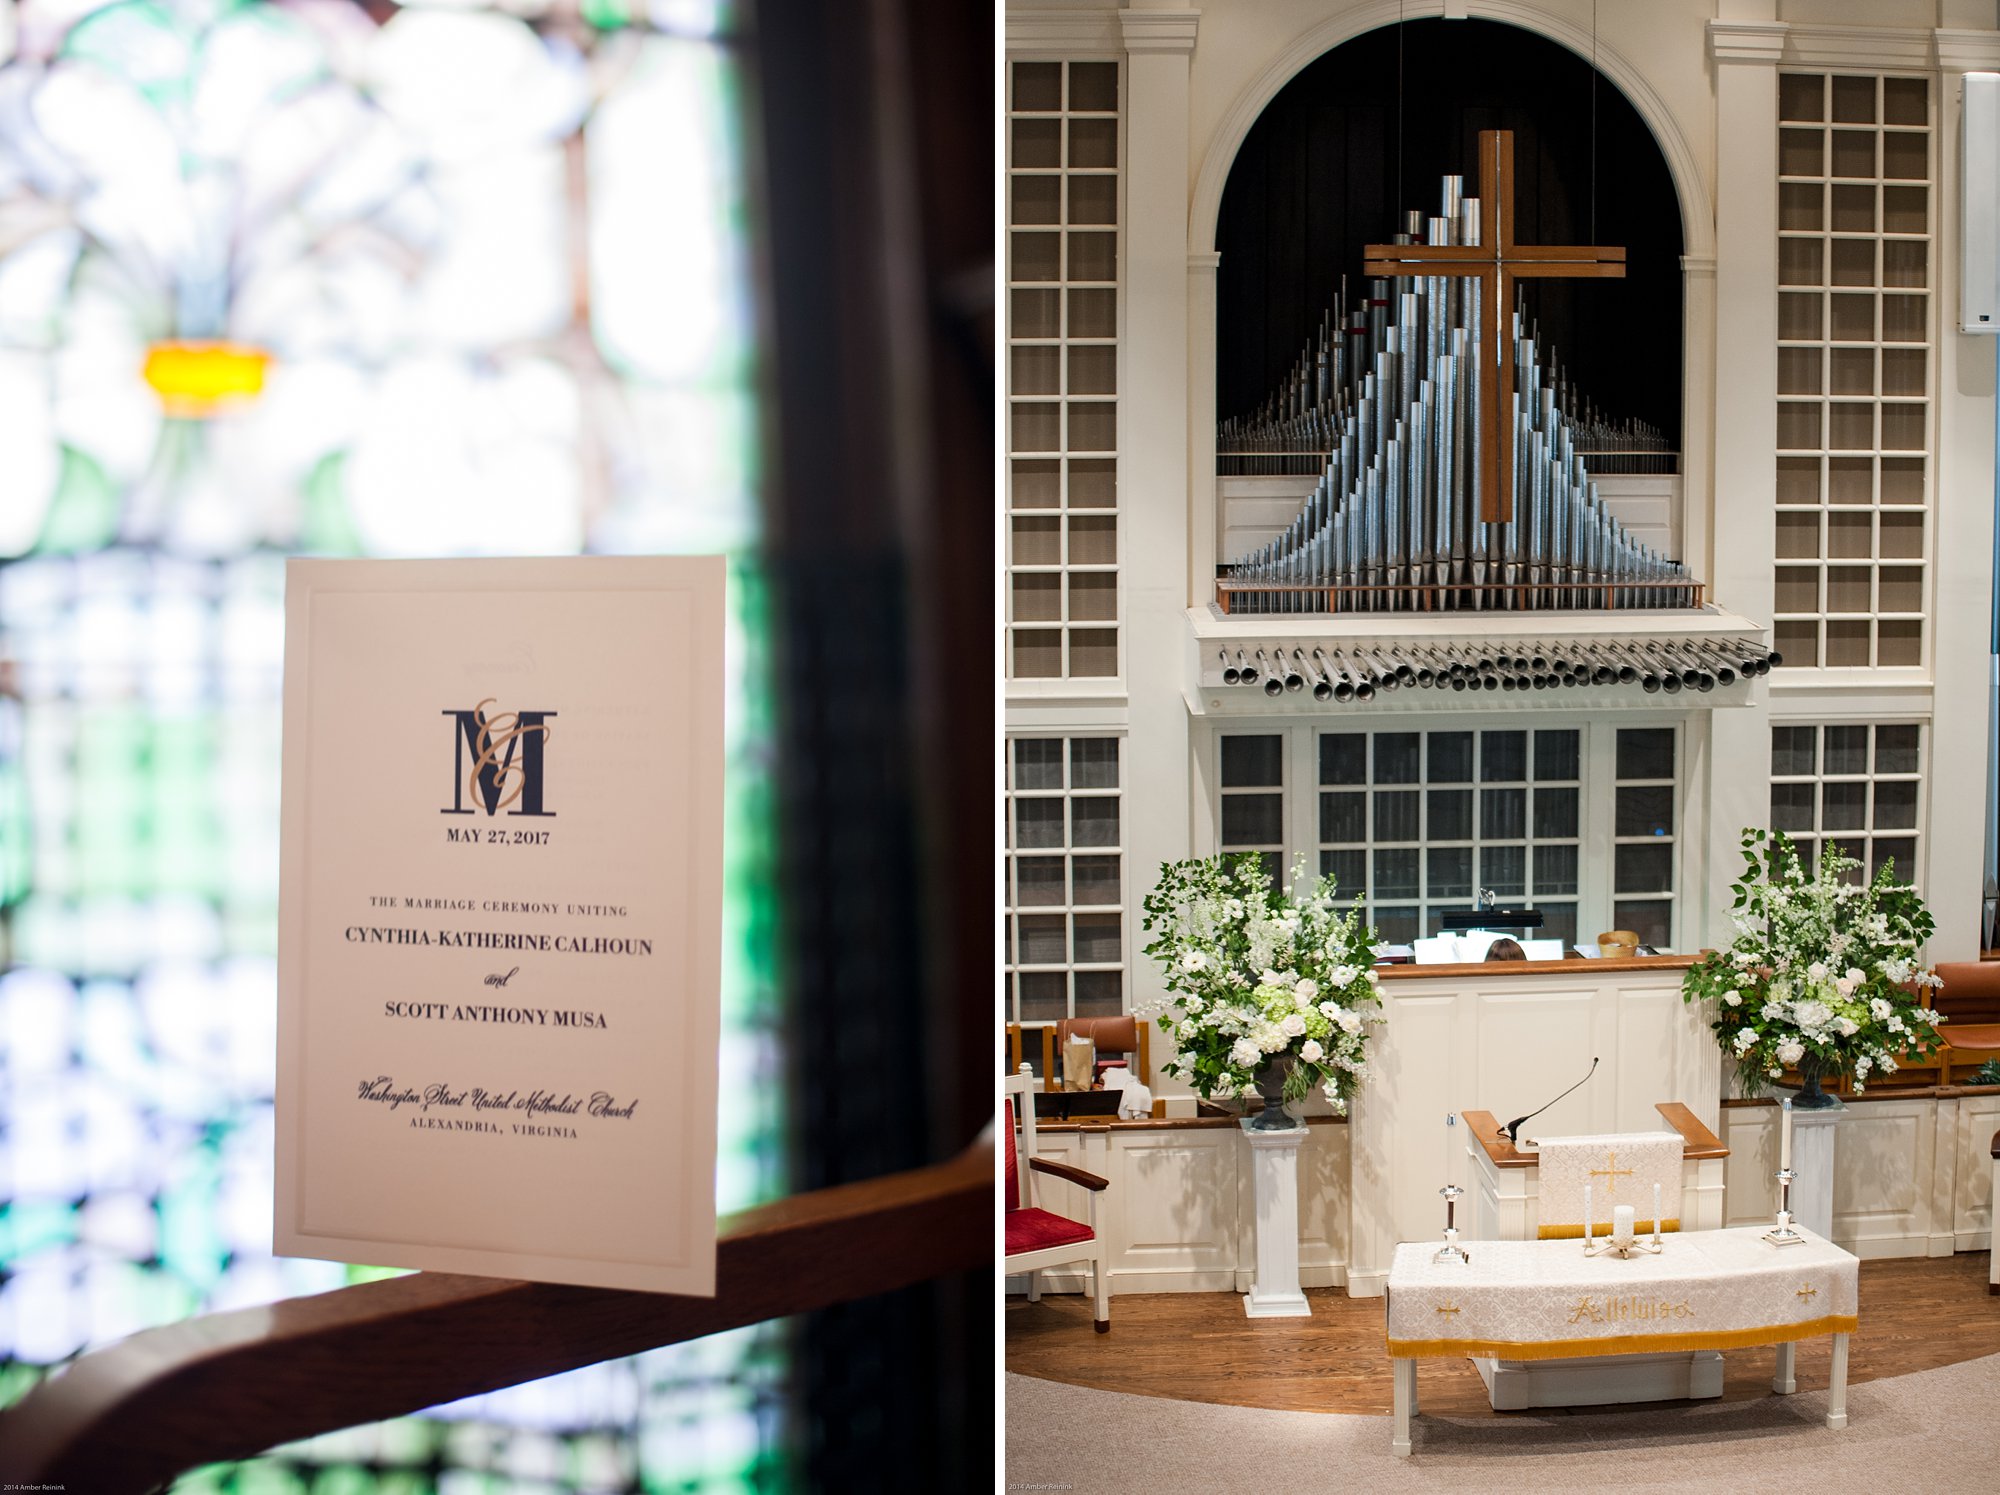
(509, 755)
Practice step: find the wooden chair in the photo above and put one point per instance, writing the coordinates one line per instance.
(1018, 1034)
(130, 1417)
(1035, 1237)
(1123, 1035)
(1970, 998)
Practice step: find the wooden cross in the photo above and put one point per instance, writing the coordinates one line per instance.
(1496, 264)
(1612, 1171)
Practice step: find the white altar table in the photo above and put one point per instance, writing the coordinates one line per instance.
(1540, 1300)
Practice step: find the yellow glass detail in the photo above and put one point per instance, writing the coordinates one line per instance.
(195, 380)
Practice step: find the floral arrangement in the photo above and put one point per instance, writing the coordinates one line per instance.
(1824, 971)
(1257, 975)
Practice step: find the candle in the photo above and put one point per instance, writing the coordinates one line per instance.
(1785, 1146)
(1621, 1224)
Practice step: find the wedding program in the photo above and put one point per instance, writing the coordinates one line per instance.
(500, 917)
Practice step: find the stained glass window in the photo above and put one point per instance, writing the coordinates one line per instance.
(451, 278)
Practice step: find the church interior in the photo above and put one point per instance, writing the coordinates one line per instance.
(1498, 635)
(450, 278)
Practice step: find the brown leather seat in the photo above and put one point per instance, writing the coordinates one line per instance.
(1112, 1036)
(1970, 999)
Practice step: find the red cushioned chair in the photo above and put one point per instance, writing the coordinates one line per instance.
(1037, 1238)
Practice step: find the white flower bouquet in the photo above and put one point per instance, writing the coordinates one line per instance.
(1824, 973)
(1257, 975)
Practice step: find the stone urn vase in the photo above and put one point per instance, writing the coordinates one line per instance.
(1812, 1069)
(1271, 1086)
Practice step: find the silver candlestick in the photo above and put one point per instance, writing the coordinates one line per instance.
(1783, 1234)
(1451, 1250)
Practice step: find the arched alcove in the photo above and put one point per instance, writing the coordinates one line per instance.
(1341, 150)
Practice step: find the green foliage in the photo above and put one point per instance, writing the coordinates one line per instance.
(1257, 975)
(1823, 969)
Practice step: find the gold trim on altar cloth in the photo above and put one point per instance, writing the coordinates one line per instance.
(1575, 1232)
(1625, 1344)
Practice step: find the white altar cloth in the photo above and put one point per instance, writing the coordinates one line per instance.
(1538, 1300)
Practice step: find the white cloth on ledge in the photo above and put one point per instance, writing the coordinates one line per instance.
(1134, 1100)
(1621, 1168)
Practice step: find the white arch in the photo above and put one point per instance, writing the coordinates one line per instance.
(1697, 214)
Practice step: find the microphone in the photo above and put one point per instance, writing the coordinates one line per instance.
(1513, 1128)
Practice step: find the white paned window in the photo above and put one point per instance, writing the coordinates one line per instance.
(1579, 822)
(1859, 785)
(1065, 879)
(1856, 273)
(1062, 370)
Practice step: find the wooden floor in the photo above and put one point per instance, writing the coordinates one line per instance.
(1915, 1315)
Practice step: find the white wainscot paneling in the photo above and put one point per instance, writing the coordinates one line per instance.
(1179, 1213)
(1882, 1165)
(1750, 1187)
(1177, 1228)
(1977, 1118)
(1912, 1176)
(1323, 1208)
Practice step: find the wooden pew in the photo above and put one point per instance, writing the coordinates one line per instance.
(128, 1418)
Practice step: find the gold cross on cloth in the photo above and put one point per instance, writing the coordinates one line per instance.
(1808, 1292)
(1451, 1308)
(1496, 264)
(1612, 1171)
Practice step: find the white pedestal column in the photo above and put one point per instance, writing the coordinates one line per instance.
(1813, 1135)
(1274, 1163)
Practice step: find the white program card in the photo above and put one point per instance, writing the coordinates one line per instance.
(500, 917)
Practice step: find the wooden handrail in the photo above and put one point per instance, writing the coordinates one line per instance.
(229, 1385)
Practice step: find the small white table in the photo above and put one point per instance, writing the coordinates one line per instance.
(1541, 1300)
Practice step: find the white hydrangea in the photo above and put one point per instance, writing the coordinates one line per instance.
(1746, 1040)
(1732, 998)
(1186, 1032)
(1812, 1014)
(1342, 977)
(1245, 1053)
(1311, 1052)
(1271, 1038)
(1790, 1051)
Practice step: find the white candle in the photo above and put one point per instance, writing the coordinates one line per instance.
(1621, 1224)
(1785, 1146)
